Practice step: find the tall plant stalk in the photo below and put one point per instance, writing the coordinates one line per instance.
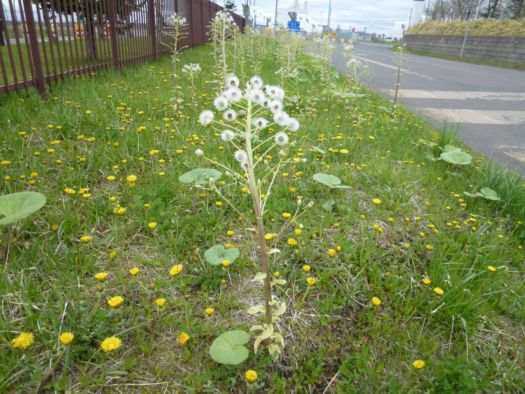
(257, 206)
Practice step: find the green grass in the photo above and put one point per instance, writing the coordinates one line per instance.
(471, 338)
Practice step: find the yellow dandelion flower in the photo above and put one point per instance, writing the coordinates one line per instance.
(298, 231)
(378, 228)
(230, 233)
(332, 252)
(176, 269)
(226, 263)
(112, 254)
(276, 274)
(376, 201)
(183, 338)
(110, 344)
(101, 276)
(429, 247)
(376, 301)
(218, 203)
(160, 302)
(111, 178)
(152, 225)
(251, 376)
(134, 271)
(426, 281)
(286, 215)
(116, 301)
(66, 338)
(23, 341)
(439, 291)
(209, 311)
(418, 364)
(307, 268)
(132, 178)
(491, 268)
(292, 242)
(311, 280)
(119, 211)
(85, 239)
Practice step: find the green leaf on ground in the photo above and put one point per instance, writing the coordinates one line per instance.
(200, 176)
(218, 253)
(228, 348)
(18, 206)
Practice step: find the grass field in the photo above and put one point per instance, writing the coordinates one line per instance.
(402, 231)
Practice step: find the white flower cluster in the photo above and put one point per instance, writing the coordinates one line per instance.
(256, 93)
(191, 68)
(174, 20)
(225, 17)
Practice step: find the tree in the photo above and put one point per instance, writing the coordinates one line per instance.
(94, 13)
(229, 5)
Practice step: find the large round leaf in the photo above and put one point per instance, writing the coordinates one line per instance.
(489, 194)
(328, 180)
(486, 193)
(451, 148)
(229, 347)
(200, 176)
(457, 157)
(218, 253)
(18, 206)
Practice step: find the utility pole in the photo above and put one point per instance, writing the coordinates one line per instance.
(275, 18)
(329, 14)
(467, 27)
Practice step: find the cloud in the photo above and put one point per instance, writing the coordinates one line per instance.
(376, 16)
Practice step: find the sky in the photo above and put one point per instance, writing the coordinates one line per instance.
(376, 15)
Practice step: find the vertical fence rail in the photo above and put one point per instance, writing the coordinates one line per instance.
(43, 41)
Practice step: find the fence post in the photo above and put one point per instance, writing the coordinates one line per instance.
(38, 76)
(152, 28)
(192, 23)
(112, 15)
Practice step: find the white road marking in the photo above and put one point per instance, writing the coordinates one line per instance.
(516, 154)
(458, 95)
(474, 116)
(382, 64)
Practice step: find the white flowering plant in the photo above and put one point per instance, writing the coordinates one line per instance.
(173, 32)
(190, 71)
(244, 118)
(221, 29)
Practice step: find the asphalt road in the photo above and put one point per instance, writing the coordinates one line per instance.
(484, 104)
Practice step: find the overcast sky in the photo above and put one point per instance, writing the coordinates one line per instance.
(375, 15)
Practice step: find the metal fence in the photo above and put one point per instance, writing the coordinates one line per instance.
(43, 41)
